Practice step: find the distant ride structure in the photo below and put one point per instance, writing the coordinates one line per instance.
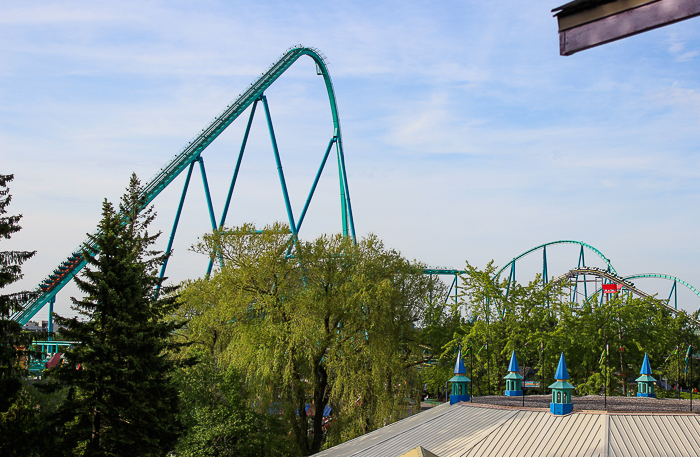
(191, 154)
(605, 280)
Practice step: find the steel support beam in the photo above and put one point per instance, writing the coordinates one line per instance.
(290, 214)
(238, 164)
(175, 224)
(313, 186)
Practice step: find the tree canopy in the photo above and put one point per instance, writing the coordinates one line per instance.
(539, 322)
(311, 325)
(120, 400)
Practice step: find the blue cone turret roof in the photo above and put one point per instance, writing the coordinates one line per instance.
(459, 365)
(562, 373)
(646, 368)
(513, 363)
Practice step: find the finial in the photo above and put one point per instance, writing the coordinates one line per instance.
(459, 365)
(562, 373)
(513, 367)
(646, 368)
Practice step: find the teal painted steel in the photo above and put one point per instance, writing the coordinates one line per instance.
(175, 223)
(194, 148)
(280, 172)
(610, 278)
(313, 186)
(238, 164)
(542, 246)
(207, 194)
(668, 277)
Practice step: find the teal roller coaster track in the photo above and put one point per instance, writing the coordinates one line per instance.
(191, 154)
(607, 275)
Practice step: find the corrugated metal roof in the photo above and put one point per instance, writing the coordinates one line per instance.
(466, 430)
(539, 433)
(643, 435)
(439, 428)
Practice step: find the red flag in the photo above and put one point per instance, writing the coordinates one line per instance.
(611, 288)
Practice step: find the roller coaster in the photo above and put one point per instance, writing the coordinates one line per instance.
(191, 154)
(605, 278)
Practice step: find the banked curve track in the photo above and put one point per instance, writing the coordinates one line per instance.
(67, 269)
(623, 281)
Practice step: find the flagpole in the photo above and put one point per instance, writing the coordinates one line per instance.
(488, 367)
(606, 376)
(525, 374)
(471, 370)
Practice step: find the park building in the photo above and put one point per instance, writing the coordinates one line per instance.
(462, 428)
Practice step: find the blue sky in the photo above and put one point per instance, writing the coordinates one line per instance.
(467, 136)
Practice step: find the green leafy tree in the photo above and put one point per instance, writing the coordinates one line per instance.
(121, 399)
(539, 322)
(218, 419)
(13, 341)
(311, 325)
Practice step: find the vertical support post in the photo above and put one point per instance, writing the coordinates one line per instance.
(347, 206)
(678, 371)
(292, 225)
(343, 206)
(177, 220)
(238, 164)
(488, 368)
(582, 263)
(455, 288)
(511, 277)
(471, 368)
(607, 369)
(671, 294)
(50, 329)
(313, 187)
(675, 295)
(544, 265)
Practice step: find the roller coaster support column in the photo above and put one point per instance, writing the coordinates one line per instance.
(279, 168)
(345, 192)
(511, 278)
(544, 265)
(212, 218)
(238, 164)
(177, 220)
(581, 263)
(51, 303)
(674, 294)
(313, 187)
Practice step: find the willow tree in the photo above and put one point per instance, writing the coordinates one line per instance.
(327, 323)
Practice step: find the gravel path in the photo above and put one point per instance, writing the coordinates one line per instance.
(597, 402)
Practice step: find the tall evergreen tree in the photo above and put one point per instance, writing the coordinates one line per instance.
(12, 338)
(121, 399)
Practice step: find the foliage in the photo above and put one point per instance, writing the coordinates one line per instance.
(13, 340)
(539, 322)
(441, 324)
(120, 399)
(333, 324)
(25, 426)
(218, 421)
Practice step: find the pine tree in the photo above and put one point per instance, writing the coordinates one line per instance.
(121, 398)
(12, 338)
